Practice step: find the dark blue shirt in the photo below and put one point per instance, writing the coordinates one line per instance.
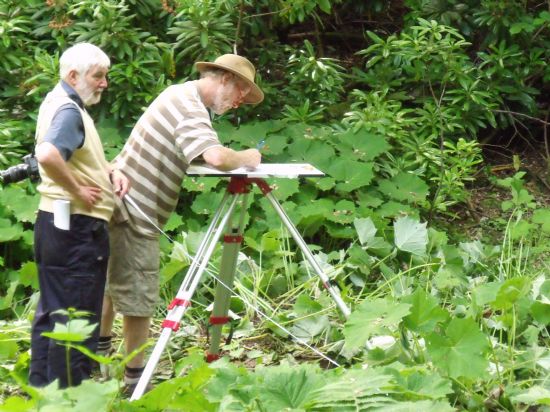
(66, 131)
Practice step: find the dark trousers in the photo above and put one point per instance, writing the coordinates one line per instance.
(72, 266)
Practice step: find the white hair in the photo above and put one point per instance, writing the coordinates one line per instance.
(82, 57)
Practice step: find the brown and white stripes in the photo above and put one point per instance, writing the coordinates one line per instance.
(174, 130)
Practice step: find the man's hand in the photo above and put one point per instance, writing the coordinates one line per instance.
(121, 184)
(89, 195)
(251, 158)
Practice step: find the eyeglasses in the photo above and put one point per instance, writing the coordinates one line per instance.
(243, 90)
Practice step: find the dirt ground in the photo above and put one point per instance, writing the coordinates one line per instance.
(486, 197)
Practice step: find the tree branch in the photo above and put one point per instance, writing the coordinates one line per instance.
(238, 29)
(521, 114)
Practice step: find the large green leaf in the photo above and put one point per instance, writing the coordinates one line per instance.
(18, 404)
(8, 347)
(355, 390)
(310, 326)
(460, 351)
(395, 209)
(535, 395)
(423, 383)
(410, 406)
(7, 298)
(362, 144)
(199, 184)
(289, 387)
(318, 207)
(425, 312)
(318, 153)
(411, 235)
(91, 396)
(88, 396)
(365, 229)
(174, 222)
(343, 213)
(541, 312)
(350, 174)
(28, 275)
(284, 188)
(542, 217)
(511, 291)
(9, 231)
(206, 203)
(75, 330)
(22, 205)
(379, 316)
(404, 187)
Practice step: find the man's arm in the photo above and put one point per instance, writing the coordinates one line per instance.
(53, 163)
(223, 158)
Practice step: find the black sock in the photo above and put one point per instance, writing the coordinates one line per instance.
(104, 344)
(132, 375)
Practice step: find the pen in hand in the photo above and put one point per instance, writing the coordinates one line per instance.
(259, 146)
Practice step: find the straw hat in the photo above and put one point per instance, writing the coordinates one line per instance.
(239, 66)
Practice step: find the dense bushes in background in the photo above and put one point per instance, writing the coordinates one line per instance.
(391, 100)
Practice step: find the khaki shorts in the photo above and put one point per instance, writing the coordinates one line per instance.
(133, 272)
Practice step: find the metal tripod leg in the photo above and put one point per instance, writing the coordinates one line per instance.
(332, 289)
(190, 283)
(222, 297)
(229, 260)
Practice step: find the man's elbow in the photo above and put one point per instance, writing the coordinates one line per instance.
(46, 153)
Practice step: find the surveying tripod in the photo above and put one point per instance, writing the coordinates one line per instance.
(238, 187)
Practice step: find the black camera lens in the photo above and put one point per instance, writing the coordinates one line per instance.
(15, 173)
(21, 171)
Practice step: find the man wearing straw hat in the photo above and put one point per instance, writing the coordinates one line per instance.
(174, 130)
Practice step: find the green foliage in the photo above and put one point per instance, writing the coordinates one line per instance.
(321, 79)
(298, 11)
(460, 350)
(411, 236)
(392, 116)
(425, 313)
(203, 30)
(378, 316)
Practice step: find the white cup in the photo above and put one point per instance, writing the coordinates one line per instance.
(62, 214)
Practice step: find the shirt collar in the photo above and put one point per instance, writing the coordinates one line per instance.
(72, 93)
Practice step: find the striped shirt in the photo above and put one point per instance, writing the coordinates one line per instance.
(174, 130)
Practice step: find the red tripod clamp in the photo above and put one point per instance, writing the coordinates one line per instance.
(178, 302)
(172, 324)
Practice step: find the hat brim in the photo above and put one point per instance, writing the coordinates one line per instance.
(254, 97)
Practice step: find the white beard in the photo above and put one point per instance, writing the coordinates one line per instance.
(222, 101)
(86, 93)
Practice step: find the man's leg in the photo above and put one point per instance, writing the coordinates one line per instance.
(38, 371)
(136, 332)
(107, 317)
(74, 278)
(106, 329)
(133, 289)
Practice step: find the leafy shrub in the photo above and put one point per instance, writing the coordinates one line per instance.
(203, 30)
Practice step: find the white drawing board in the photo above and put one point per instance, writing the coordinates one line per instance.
(264, 170)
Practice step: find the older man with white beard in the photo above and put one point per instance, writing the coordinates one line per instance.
(71, 257)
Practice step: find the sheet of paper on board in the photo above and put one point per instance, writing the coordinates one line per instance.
(264, 170)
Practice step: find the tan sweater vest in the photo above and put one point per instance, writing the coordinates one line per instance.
(87, 164)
